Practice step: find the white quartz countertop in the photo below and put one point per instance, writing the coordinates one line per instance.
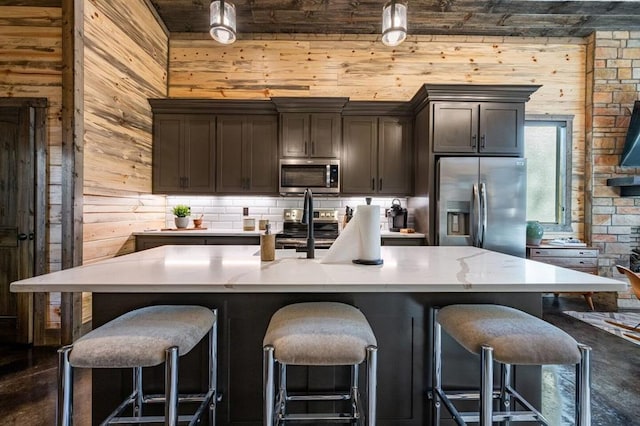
(238, 269)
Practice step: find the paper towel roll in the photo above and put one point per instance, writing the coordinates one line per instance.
(369, 224)
(347, 246)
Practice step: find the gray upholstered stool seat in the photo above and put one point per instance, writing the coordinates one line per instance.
(515, 336)
(144, 337)
(139, 338)
(509, 337)
(318, 334)
(323, 333)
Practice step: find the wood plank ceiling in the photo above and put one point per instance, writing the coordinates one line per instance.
(465, 17)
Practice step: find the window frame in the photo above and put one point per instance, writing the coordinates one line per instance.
(563, 189)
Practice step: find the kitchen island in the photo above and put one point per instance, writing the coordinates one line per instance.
(395, 297)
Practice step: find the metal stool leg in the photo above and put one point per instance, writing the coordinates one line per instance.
(436, 368)
(171, 386)
(505, 382)
(355, 394)
(213, 369)
(372, 379)
(268, 383)
(139, 396)
(64, 415)
(583, 387)
(486, 386)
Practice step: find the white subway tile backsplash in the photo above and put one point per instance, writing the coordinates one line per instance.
(225, 212)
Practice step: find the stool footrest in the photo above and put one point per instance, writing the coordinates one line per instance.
(320, 397)
(146, 419)
(303, 417)
(501, 416)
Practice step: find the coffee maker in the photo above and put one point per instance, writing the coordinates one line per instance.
(397, 216)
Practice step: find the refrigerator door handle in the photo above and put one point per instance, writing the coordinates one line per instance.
(476, 215)
(483, 213)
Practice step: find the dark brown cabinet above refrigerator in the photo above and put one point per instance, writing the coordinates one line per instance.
(495, 128)
(310, 127)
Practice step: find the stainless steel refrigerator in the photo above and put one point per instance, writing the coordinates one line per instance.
(481, 201)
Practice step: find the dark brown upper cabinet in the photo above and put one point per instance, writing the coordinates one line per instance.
(376, 155)
(310, 135)
(310, 127)
(184, 153)
(478, 127)
(247, 154)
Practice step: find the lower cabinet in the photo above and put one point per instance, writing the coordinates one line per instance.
(144, 242)
(402, 241)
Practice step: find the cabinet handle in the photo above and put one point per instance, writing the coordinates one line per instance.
(182, 185)
(473, 141)
(313, 148)
(380, 185)
(305, 147)
(22, 237)
(248, 184)
(373, 184)
(482, 141)
(186, 182)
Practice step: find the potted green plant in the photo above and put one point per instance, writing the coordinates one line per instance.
(181, 212)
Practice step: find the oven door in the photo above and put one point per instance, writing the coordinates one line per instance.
(321, 176)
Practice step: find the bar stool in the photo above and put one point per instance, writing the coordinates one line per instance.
(318, 334)
(144, 337)
(510, 337)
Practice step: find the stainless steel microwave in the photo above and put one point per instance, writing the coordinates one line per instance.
(322, 176)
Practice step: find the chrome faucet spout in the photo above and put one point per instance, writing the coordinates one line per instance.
(307, 218)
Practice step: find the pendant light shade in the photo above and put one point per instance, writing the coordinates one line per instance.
(223, 21)
(394, 23)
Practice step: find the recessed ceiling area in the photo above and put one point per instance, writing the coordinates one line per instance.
(426, 17)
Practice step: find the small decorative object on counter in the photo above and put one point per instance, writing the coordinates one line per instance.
(197, 222)
(267, 244)
(397, 216)
(248, 223)
(348, 215)
(182, 212)
(262, 224)
(534, 232)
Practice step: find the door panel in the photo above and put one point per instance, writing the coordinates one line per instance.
(16, 222)
(200, 155)
(359, 155)
(167, 153)
(230, 146)
(394, 164)
(262, 165)
(501, 127)
(455, 127)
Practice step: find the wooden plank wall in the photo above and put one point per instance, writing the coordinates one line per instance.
(125, 61)
(31, 64)
(360, 67)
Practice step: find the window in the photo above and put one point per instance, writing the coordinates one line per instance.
(547, 148)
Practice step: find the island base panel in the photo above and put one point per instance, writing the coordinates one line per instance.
(399, 320)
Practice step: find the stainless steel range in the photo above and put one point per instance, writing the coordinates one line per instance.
(294, 233)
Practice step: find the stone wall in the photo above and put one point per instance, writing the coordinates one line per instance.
(613, 84)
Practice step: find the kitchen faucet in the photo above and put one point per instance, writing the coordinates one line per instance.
(307, 218)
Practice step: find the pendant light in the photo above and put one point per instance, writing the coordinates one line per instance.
(223, 21)
(394, 23)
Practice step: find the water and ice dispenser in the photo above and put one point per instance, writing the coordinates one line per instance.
(458, 216)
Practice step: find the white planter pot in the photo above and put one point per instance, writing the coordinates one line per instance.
(182, 222)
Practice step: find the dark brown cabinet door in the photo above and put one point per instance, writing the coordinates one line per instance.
(247, 153)
(310, 135)
(294, 134)
(325, 135)
(230, 155)
(394, 156)
(183, 154)
(261, 165)
(376, 156)
(455, 127)
(501, 128)
(359, 155)
(168, 148)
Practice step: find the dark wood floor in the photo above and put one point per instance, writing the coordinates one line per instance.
(28, 378)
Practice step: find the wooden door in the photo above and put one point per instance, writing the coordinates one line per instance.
(168, 141)
(502, 128)
(455, 127)
(394, 156)
(359, 155)
(200, 155)
(17, 222)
